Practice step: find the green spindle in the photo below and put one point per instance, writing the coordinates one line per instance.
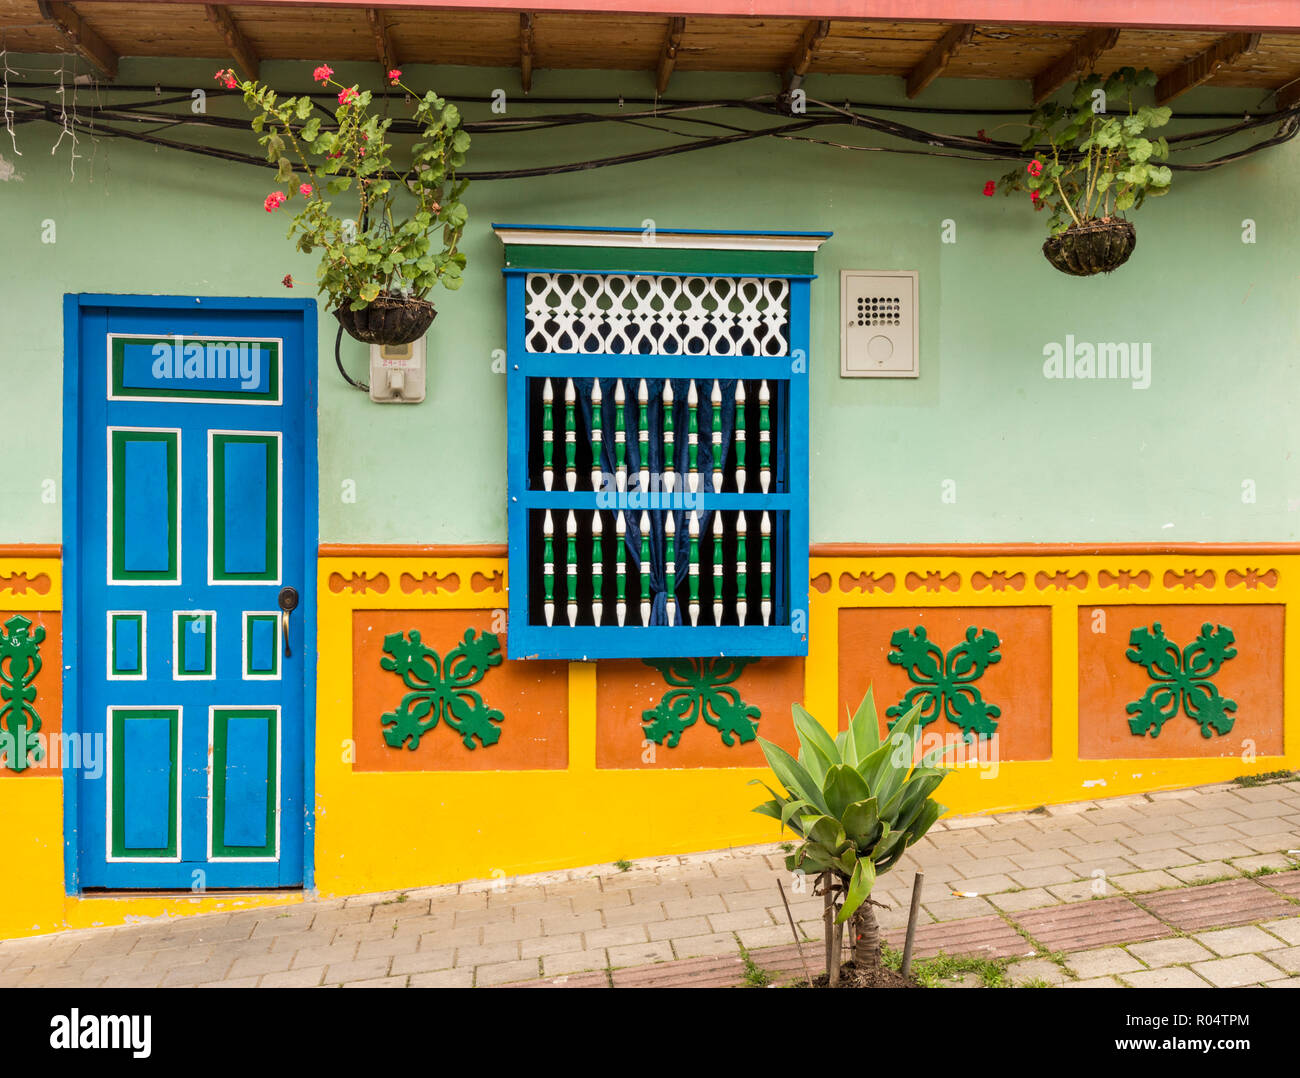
(548, 434)
(693, 557)
(570, 437)
(764, 438)
(643, 434)
(596, 420)
(742, 565)
(692, 438)
(717, 568)
(597, 570)
(571, 567)
(620, 436)
(620, 569)
(740, 437)
(670, 566)
(765, 569)
(670, 453)
(645, 568)
(548, 566)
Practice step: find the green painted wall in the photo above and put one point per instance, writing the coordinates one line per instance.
(1032, 459)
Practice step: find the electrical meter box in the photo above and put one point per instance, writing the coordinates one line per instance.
(878, 324)
(397, 373)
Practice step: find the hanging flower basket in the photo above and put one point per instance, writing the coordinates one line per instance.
(389, 319)
(1096, 246)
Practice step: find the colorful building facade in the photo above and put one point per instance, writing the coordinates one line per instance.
(703, 434)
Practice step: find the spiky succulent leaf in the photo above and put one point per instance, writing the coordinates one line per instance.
(841, 788)
(864, 729)
(813, 736)
(792, 774)
(860, 884)
(861, 819)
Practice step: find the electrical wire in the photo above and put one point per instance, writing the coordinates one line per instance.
(107, 121)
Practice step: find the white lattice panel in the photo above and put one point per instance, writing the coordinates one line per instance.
(643, 315)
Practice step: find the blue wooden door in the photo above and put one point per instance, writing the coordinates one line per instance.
(194, 509)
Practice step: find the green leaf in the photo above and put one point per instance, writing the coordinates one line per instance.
(842, 787)
(813, 735)
(864, 728)
(304, 107)
(792, 774)
(861, 819)
(369, 291)
(860, 884)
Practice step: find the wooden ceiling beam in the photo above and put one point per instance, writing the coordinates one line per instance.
(526, 51)
(1288, 94)
(939, 57)
(810, 42)
(1083, 54)
(80, 35)
(668, 54)
(1200, 69)
(384, 49)
(220, 17)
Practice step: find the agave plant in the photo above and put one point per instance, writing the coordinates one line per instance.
(858, 802)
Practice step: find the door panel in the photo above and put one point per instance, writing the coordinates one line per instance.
(193, 509)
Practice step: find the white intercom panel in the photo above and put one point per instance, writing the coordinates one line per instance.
(878, 324)
(397, 373)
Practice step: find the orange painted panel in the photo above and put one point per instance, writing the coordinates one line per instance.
(533, 696)
(1109, 682)
(1020, 684)
(626, 688)
(49, 691)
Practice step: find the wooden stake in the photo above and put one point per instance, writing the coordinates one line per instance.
(911, 922)
(797, 942)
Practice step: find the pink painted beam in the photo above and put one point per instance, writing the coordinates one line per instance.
(1267, 16)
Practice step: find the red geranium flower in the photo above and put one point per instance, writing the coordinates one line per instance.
(989, 188)
(288, 280)
(322, 73)
(346, 95)
(274, 201)
(1033, 196)
(306, 189)
(1035, 168)
(227, 79)
(394, 75)
(982, 136)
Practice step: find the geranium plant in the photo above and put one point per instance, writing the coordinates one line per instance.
(1093, 160)
(375, 250)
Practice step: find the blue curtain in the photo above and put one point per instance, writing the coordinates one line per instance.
(724, 419)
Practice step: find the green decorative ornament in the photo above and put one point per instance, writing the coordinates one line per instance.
(700, 688)
(1182, 680)
(441, 689)
(20, 662)
(945, 682)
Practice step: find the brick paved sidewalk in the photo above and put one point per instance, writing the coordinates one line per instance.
(1193, 887)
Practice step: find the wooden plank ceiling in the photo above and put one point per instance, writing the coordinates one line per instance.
(1047, 57)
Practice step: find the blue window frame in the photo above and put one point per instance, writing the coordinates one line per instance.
(658, 442)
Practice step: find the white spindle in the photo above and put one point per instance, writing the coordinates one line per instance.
(571, 567)
(620, 437)
(740, 436)
(715, 400)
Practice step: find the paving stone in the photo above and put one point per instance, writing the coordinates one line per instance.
(680, 928)
(1227, 942)
(310, 977)
(447, 978)
(1215, 905)
(478, 955)
(598, 979)
(1287, 929)
(1028, 899)
(1078, 926)
(1140, 882)
(699, 946)
(1094, 982)
(953, 909)
(1201, 871)
(426, 961)
(641, 954)
(1107, 960)
(1158, 859)
(495, 973)
(1036, 969)
(615, 937)
(733, 922)
(1173, 977)
(1178, 951)
(985, 937)
(1047, 876)
(358, 970)
(770, 936)
(1286, 882)
(720, 971)
(1080, 889)
(1286, 957)
(233, 982)
(1235, 972)
(378, 982)
(1288, 982)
